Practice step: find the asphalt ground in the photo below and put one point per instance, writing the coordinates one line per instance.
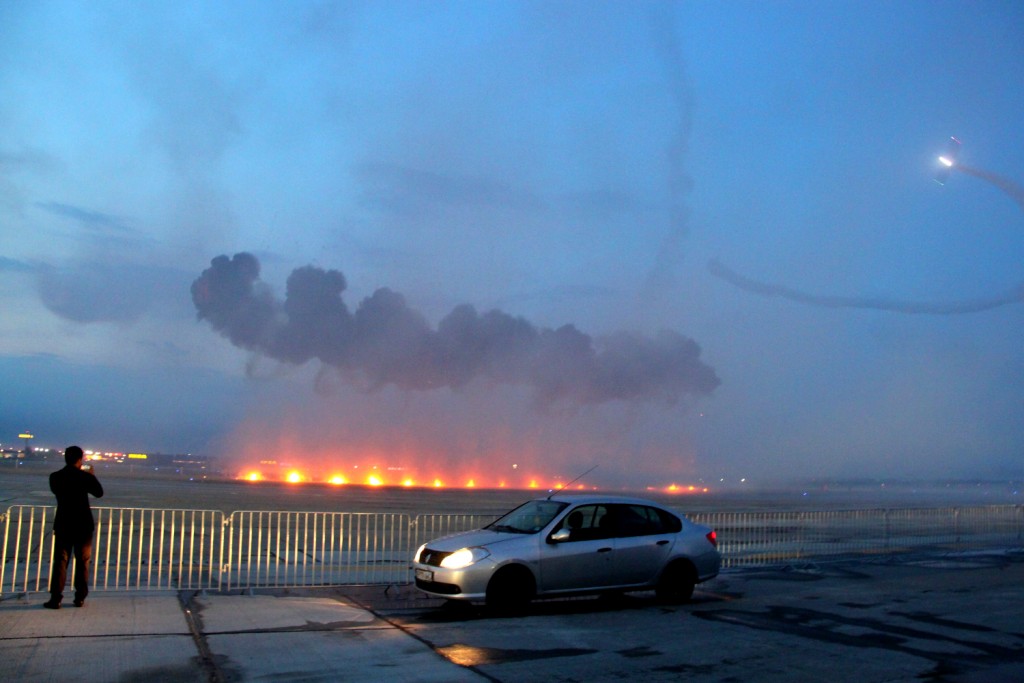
(940, 618)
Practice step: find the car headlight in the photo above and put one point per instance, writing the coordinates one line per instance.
(419, 551)
(464, 557)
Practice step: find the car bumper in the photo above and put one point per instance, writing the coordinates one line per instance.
(708, 565)
(468, 583)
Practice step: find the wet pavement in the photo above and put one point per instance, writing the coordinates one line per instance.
(952, 618)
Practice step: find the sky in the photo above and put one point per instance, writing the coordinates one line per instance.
(679, 241)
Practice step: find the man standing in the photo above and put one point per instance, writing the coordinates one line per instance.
(72, 526)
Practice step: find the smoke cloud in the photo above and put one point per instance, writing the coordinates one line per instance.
(99, 292)
(385, 342)
(1012, 296)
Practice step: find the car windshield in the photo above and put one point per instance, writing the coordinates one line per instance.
(528, 518)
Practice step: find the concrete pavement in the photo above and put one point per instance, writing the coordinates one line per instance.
(945, 619)
(130, 637)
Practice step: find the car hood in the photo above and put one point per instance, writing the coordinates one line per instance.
(471, 539)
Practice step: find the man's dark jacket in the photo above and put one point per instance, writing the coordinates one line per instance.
(72, 487)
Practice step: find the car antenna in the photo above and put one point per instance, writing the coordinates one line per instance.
(562, 488)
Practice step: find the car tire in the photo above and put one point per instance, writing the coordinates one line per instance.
(510, 589)
(676, 583)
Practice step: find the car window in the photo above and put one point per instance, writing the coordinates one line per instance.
(528, 518)
(588, 522)
(670, 522)
(642, 520)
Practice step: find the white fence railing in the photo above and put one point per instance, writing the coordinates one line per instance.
(765, 538)
(133, 548)
(140, 549)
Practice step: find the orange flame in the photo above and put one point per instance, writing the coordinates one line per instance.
(377, 476)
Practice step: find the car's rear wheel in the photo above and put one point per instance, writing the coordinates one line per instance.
(511, 588)
(676, 582)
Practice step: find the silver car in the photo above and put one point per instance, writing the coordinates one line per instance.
(570, 544)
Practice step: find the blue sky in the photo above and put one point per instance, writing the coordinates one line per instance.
(562, 163)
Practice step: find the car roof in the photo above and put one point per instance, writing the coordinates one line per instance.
(581, 498)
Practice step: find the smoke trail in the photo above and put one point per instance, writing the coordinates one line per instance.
(1012, 296)
(670, 51)
(385, 342)
(1008, 187)
(914, 307)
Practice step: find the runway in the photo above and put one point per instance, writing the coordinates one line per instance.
(27, 485)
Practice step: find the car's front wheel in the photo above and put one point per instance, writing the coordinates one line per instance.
(511, 588)
(677, 582)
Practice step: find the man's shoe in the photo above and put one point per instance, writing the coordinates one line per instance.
(52, 604)
(79, 603)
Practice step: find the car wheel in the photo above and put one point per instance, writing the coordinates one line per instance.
(511, 588)
(676, 583)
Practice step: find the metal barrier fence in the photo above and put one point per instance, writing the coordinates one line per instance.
(329, 548)
(766, 538)
(140, 549)
(133, 549)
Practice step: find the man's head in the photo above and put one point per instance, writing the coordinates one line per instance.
(73, 456)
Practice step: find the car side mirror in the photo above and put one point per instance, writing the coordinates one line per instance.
(560, 536)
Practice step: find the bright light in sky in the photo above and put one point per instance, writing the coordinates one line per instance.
(946, 161)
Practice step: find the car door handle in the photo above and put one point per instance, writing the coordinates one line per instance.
(662, 543)
(604, 550)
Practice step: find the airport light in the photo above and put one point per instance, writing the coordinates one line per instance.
(27, 436)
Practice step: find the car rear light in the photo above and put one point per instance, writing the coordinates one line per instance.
(712, 538)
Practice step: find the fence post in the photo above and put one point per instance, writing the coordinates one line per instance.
(888, 531)
(225, 567)
(803, 536)
(956, 529)
(6, 519)
(1020, 521)
(411, 532)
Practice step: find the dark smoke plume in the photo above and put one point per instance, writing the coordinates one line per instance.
(385, 342)
(1012, 296)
